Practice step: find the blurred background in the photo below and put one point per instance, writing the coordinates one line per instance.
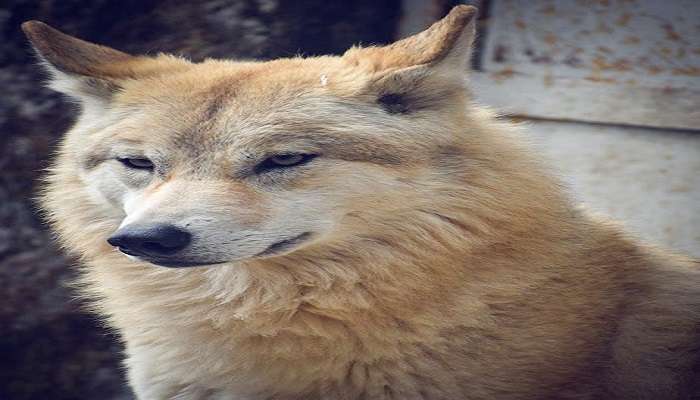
(609, 92)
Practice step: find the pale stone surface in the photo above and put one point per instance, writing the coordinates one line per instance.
(647, 179)
(625, 62)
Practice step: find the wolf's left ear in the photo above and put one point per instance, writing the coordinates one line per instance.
(447, 43)
(443, 50)
(88, 72)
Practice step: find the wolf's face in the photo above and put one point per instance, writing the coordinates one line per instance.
(256, 170)
(200, 164)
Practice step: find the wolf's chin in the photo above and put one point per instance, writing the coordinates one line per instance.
(174, 263)
(184, 264)
(279, 248)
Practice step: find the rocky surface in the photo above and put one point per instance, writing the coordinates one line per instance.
(49, 348)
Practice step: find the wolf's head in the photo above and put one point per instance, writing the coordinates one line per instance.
(181, 164)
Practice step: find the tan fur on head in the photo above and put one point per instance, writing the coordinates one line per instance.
(421, 253)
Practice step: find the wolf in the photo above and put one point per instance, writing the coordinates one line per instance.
(348, 227)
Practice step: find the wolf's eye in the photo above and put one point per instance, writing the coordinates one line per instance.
(287, 160)
(137, 163)
(283, 161)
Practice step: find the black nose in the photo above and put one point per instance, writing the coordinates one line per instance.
(150, 240)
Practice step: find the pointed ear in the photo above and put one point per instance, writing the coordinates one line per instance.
(422, 71)
(86, 71)
(78, 68)
(446, 45)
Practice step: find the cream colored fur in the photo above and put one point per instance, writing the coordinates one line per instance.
(446, 262)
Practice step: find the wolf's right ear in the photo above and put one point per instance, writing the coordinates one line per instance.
(86, 71)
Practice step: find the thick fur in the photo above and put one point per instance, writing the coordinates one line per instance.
(446, 262)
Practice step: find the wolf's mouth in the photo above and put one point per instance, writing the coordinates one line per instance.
(284, 245)
(181, 264)
(170, 263)
(272, 250)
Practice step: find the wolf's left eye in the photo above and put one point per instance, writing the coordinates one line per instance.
(136, 163)
(284, 161)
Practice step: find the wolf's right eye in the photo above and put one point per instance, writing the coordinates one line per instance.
(137, 163)
(280, 161)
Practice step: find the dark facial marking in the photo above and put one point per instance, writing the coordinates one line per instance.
(449, 158)
(285, 244)
(92, 160)
(393, 103)
(220, 97)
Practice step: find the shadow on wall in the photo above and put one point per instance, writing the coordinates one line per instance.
(50, 349)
